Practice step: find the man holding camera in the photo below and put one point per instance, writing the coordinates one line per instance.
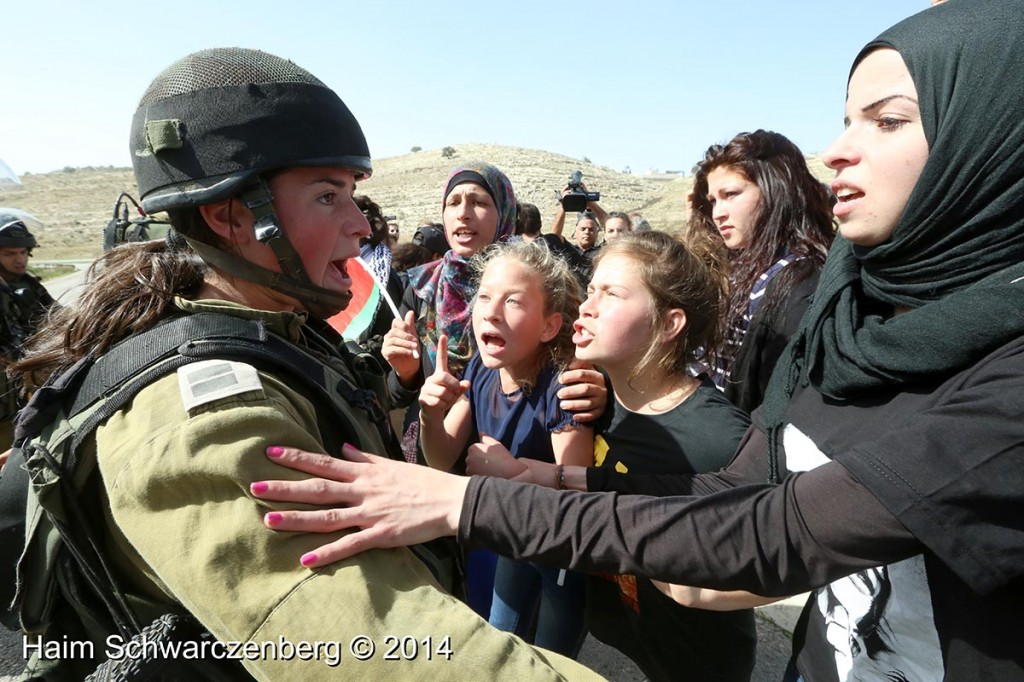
(589, 219)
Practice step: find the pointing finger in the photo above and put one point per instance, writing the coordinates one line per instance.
(410, 324)
(442, 355)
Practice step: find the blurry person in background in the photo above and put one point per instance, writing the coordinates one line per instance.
(375, 252)
(589, 223)
(616, 224)
(640, 223)
(431, 237)
(528, 227)
(24, 302)
(586, 234)
(408, 255)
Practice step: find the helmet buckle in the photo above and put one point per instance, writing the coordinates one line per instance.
(258, 199)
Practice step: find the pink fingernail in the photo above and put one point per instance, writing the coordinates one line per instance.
(275, 451)
(259, 487)
(349, 445)
(273, 518)
(308, 559)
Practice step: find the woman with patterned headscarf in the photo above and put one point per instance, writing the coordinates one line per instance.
(479, 208)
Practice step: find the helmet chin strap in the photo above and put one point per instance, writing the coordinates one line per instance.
(293, 279)
(320, 303)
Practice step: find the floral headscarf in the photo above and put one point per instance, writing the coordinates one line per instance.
(447, 285)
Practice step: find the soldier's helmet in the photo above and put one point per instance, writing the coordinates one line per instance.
(211, 122)
(16, 236)
(214, 125)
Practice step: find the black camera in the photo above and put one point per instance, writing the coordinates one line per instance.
(577, 198)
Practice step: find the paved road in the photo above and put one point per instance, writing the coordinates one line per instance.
(773, 647)
(66, 289)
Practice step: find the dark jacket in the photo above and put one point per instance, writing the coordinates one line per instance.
(767, 336)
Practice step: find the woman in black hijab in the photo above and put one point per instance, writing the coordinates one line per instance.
(891, 446)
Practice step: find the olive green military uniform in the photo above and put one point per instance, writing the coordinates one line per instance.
(183, 528)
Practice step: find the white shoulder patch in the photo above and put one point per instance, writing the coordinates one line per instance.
(211, 380)
(801, 452)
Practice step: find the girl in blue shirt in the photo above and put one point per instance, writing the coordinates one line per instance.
(522, 323)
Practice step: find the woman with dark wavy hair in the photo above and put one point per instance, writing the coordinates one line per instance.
(775, 220)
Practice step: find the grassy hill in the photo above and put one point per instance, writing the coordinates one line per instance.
(75, 204)
(410, 186)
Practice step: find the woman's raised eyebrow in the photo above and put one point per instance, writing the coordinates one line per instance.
(886, 100)
(878, 103)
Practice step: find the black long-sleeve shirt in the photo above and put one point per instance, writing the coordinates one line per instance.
(917, 496)
(771, 540)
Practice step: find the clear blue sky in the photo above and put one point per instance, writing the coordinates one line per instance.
(645, 84)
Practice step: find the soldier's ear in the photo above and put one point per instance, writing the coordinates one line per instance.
(230, 220)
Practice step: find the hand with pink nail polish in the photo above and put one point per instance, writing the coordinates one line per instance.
(391, 504)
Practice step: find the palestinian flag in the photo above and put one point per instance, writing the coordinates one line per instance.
(357, 317)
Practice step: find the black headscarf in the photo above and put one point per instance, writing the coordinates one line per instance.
(956, 256)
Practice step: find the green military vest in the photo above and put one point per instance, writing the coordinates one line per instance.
(59, 568)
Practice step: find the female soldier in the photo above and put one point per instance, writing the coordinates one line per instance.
(256, 161)
(901, 400)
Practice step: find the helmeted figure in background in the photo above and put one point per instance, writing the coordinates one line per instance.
(255, 160)
(23, 304)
